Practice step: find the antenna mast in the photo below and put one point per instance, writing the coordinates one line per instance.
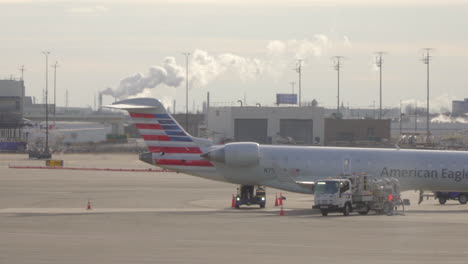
(378, 63)
(426, 60)
(337, 65)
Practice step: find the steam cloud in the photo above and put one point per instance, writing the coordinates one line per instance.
(168, 73)
(205, 68)
(448, 119)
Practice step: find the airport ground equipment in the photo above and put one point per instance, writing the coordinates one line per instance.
(246, 196)
(359, 194)
(462, 197)
(36, 154)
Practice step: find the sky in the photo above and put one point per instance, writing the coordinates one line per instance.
(238, 49)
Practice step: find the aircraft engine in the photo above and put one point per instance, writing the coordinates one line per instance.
(242, 154)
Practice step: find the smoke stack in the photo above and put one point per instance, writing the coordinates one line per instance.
(174, 107)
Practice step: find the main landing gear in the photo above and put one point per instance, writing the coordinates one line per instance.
(247, 196)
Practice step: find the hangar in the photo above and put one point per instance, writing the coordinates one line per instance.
(267, 125)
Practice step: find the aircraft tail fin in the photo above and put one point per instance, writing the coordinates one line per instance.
(171, 146)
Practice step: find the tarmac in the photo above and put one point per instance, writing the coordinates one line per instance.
(164, 217)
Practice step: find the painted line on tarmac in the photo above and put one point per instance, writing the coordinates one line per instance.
(123, 210)
(101, 210)
(87, 169)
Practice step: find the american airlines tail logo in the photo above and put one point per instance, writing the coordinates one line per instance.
(164, 136)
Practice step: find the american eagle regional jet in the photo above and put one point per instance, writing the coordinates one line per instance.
(289, 168)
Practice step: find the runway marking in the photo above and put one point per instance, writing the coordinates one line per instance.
(125, 210)
(87, 169)
(101, 210)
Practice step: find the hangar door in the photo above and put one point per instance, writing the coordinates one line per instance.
(251, 130)
(300, 130)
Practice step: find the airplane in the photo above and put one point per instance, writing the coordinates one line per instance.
(288, 168)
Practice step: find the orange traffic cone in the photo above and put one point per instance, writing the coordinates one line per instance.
(88, 207)
(281, 211)
(233, 203)
(281, 199)
(276, 199)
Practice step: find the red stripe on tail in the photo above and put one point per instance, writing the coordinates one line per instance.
(192, 150)
(197, 163)
(141, 115)
(156, 137)
(148, 126)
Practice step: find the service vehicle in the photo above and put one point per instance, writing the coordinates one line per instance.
(357, 193)
(462, 197)
(246, 196)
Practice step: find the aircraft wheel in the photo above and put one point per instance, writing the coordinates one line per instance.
(324, 212)
(463, 199)
(442, 200)
(262, 206)
(237, 206)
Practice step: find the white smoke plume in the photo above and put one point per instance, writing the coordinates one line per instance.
(448, 119)
(299, 49)
(169, 73)
(205, 68)
(439, 104)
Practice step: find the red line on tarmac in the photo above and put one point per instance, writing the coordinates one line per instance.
(88, 169)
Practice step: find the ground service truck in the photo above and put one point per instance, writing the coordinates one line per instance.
(359, 194)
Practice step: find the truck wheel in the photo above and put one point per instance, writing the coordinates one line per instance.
(346, 209)
(324, 212)
(365, 212)
(462, 198)
(442, 200)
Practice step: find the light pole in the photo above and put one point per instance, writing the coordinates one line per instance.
(379, 62)
(337, 66)
(46, 53)
(426, 59)
(186, 54)
(401, 115)
(22, 69)
(299, 71)
(55, 89)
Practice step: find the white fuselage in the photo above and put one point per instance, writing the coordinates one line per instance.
(283, 167)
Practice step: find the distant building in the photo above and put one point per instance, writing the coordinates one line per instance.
(266, 125)
(11, 102)
(11, 115)
(460, 108)
(345, 131)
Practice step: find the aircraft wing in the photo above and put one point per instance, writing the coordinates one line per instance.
(128, 106)
(306, 182)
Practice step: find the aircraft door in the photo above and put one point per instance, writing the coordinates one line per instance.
(347, 166)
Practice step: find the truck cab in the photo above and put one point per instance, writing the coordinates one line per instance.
(333, 195)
